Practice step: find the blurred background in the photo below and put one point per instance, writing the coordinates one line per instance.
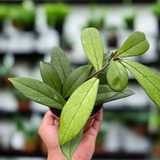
(29, 30)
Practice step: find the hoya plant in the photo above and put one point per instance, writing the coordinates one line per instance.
(76, 95)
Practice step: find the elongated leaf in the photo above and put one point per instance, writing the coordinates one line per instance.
(69, 148)
(38, 91)
(77, 110)
(60, 63)
(135, 45)
(117, 76)
(103, 79)
(147, 78)
(106, 57)
(106, 94)
(93, 46)
(75, 79)
(50, 76)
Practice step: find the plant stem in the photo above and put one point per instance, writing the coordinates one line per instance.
(96, 74)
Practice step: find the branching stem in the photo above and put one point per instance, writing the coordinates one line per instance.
(98, 73)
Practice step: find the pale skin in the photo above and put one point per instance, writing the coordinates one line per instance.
(49, 134)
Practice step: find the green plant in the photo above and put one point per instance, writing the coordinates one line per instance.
(96, 18)
(112, 28)
(80, 92)
(129, 20)
(21, 17)
(30, 134)
(19, 96)
(112, 37)
(156, 9)
(3, 13)
(56, 15)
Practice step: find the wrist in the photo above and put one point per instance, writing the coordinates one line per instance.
(56, 155)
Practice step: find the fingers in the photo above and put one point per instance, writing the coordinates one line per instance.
(94, 129)
(98, 120)
(48, 118)
(48, 122)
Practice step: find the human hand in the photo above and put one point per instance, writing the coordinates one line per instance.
(49, 134)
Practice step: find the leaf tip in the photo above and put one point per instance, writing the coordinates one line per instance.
(10, 79)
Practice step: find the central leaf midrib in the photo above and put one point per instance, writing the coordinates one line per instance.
(93, 49)
(39, 92)
(142, 75)
(78, 109)
(50, 77)
(118, 72)
(132, 46)
(61, 67)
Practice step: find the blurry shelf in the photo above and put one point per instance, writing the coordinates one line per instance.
(127, 108)
(122, 155)
(6, 114)
(117, 155)
(27, 57)
(13, 153)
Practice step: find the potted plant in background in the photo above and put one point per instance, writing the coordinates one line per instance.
(99, 148)
(56, 15)
(112, 36)
(129, 20)
(6, 69)
(31, 137)
(22, 18)
(3, 15)
(31, 140)
(23, 102)
(136, 120)
(96, 17)
(156, 12)
(75, 96)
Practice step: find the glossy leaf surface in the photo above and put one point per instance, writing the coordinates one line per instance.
(60, 63)
(69, 148)
(117, 76)
(135, 45)
(147, 78)
(38, 91)
(75, 79)
(106, 94)
(93, 46)
(77, 110)
(50, 76)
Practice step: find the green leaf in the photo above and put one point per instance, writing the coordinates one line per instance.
(69, 148)
(135, 45)
(75, 79)
(103, 79)
(106, 94)
(77, 110)
(106, 57)
(50, 76)
(117, 76)
(93, 46)
(147, 78)
(60, 63)
(38, 91)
